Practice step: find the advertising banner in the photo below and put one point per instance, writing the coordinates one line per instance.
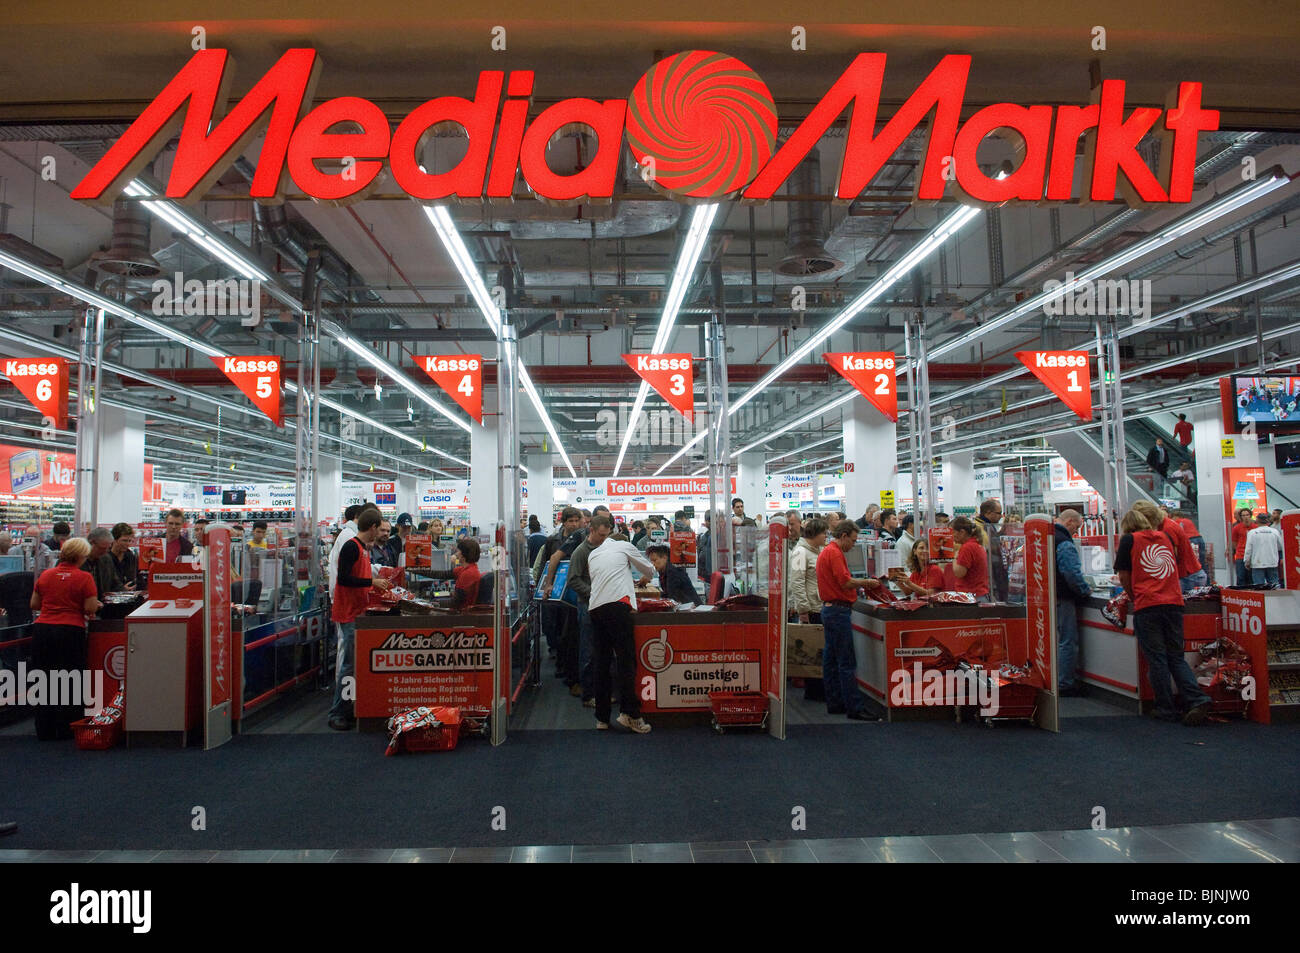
(1291, 549)
(37, 474)
(44, 382)
(872, 374)
(1040, 606)
(677, 667)
(218, 637)
(1066, 374)
(671, 376)
(174, 580)
(461, 376)
(258, 377)
(944, 647)
(1245, 622)
(398, 670)
(1243, 488)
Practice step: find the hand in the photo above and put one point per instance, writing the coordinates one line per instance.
(643, 581)
(871, 583)
(383, 585)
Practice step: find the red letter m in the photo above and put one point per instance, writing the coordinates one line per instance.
(202, 157)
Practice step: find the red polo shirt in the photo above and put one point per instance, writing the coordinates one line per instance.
(64, 590)
(1239, 531)
(976, 560)
(833, 576)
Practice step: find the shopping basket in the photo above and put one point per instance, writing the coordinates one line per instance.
(95, 737)
(738, 710)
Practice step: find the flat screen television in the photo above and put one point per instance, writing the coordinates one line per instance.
(1272, 402)
(1288, 455)
(233, 497)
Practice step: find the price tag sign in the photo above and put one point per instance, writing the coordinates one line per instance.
(1227, 448)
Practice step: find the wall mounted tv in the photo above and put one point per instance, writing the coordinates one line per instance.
(1272, 402)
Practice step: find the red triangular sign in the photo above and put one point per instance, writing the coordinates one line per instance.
(44, 382)
(1066, 374)
(461, 376)
(258, 376)
(873, 374)
(671, 376)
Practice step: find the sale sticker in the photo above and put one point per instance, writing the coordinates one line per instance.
(671, 376)
(1066, 374)
(44, 382)
(872, 373)
(258, 376)
(461, 376)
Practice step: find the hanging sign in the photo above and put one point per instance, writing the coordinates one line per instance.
(1066, 374)
(258, 376)
(872, 373)
(671, 377)
(460, 376)
(44, 382)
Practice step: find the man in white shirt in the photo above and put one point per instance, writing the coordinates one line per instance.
(906, 541)
(348, 531)
(1263, 552)
(612, 606)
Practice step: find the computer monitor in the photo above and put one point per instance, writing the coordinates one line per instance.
(856, 557)
(438, 560)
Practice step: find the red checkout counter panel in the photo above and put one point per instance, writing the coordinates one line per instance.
(682, 656)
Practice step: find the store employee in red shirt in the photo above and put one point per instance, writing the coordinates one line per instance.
(63, 596)
(971, 565)
(838, 590)
(350, 599)
(1148, 570)
(1240, 529)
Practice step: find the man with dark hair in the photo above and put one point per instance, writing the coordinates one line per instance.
(353, 582)
(536, 538)
(121, 561)
(544, 566)
(1072, 588)
(1183, 431)
(379, 549)
(838, 590)
(906, 540)
(348, 532)
(673, 580)
(889, 522)
(738, 517)
(990, 516)
(579, 580)
(1158, 458)
(59, 534)
(613, 605)
(258, 539)
(100, 540)
(177, 545)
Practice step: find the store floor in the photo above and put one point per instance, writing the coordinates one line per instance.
(290, 789)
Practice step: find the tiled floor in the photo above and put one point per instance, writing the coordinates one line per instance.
(1275, 840)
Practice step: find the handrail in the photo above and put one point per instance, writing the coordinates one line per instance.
(1272, 489)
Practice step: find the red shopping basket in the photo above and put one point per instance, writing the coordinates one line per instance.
(93, 737)
(440, 738)
(738, 710)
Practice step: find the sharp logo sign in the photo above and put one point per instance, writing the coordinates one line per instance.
(722, 145)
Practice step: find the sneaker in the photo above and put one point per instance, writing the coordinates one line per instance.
(602, 725)
(633, 724)
(589, 703)
(339, 723)
(1196, 716)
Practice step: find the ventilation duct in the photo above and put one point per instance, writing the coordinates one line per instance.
(805, 232)
(129, 254)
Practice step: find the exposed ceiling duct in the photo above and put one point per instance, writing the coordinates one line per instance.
(129, 254)
(806, 253)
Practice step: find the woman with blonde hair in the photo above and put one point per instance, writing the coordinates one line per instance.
(971, 565)
(1148, 569)
(62, 598)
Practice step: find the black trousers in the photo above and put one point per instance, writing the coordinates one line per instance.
(566, 646)
(57, 648)
(612, 632)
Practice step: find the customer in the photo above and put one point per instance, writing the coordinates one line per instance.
(905, 538)
(989, 518)
(970, 567)
(889, 524)
(869, 519)
(1146, 568)
(348, 532)
(258, 538)
(738, 517)
(351, 597)
(59, 534)
(924, 577)
(613, 604)
(123, 564)
(6, 541)
(1239, 531)
(535, 535)
(941, 519)
(704, 554)
(638, 533)
(1183, 431)
(673, 580)
(568, 648)
(379, 551)
(1071, 589)
(63, 596)
(805, 601)
(579, 581)
(838, 590)
(397, 540)
(435, 529)
(100, 540)
(177, 545)
(1184, 476)
(548, 559)
(1263, 551)
(1158, 458)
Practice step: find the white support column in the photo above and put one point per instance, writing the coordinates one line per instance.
(483, 467)
(408, 496)
(541, 488)
(751, 485)
(958, 480)
(329, 493)
(871, 446)
(121, 471)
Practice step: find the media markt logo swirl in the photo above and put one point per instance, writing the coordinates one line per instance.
(701, 125)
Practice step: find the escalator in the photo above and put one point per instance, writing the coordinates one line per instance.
(1083, 452)
(1140, 436)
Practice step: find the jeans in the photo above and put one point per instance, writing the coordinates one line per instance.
(1159, 632)
(584, 652)
(1243, 577)
(344, 668)
(1194, 581)
(839, 661)
(612, 634)
(550, 623)
(1067, 641)
(1265, 576)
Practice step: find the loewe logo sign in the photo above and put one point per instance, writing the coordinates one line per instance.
(720, 143)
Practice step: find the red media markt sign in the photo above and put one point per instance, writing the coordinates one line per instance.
(701, 125)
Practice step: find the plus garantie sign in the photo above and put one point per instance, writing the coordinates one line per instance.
(701, 125)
